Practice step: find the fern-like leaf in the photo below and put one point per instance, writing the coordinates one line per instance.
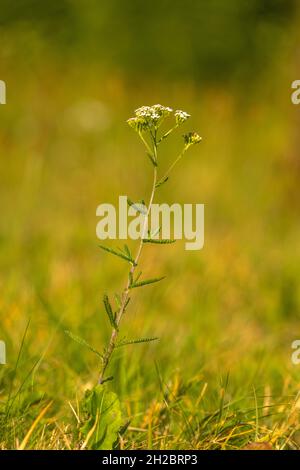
(82, 342)
(162, 241)
(109, 311)
(146, 282)
(120, 254)
(137, 206)
(135, 341)
(127, 251)
(118, 300)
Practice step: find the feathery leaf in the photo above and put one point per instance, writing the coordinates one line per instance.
(117, 253)
(110, 314)
(137, 206)
(162, 241)
(118, 300)
(82, 342)
(135, 341)
(127, 251)
(146, 282)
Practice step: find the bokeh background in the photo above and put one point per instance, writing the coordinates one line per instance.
(75, 70)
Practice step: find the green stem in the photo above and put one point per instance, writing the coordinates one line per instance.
(145, 143)
(173, 165)
(125, 295)
(167, 133)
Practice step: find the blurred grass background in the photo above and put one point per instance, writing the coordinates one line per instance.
(226, 315)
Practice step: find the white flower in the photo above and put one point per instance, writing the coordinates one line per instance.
(181, 116)
(162, 110)
(149, 116)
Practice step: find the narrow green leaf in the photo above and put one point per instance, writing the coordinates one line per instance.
(137, 206)
(117, 253)
(107, 379)
(146, 282)
(138, 276)
(151, 158)
(135, 341)
(82, 342)
(131, 203)
(162, 181)
(127, 251)
(109, 311)
(126, 304)
(118, 300)
(158, 241)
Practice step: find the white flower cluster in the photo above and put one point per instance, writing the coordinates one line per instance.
(154, 112)
(181, 116)
(148, 117)
(191, 138)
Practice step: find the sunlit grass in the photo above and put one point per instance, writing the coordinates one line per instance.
(221, 376)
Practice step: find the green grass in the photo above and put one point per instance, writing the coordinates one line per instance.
(221, 375)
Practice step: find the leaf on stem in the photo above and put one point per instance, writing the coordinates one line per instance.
(127, 251)
(109, 311)
(161, 182)
(119, 253)
(163, 241)
(136, 341)
(138, 276)
(107, 379)
(82, 342)
(118, 300)
(146, 282)
(126, 303)
(137, 206)
(151, 158)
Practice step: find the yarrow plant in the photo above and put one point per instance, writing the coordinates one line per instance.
(147, 123)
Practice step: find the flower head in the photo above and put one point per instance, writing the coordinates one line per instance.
(181, 116)
(147, 117)
(192, 138)
(138, 124)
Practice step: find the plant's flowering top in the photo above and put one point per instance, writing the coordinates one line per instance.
(148, 117)
(191, 138)
(154, 112)
(181, 116)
